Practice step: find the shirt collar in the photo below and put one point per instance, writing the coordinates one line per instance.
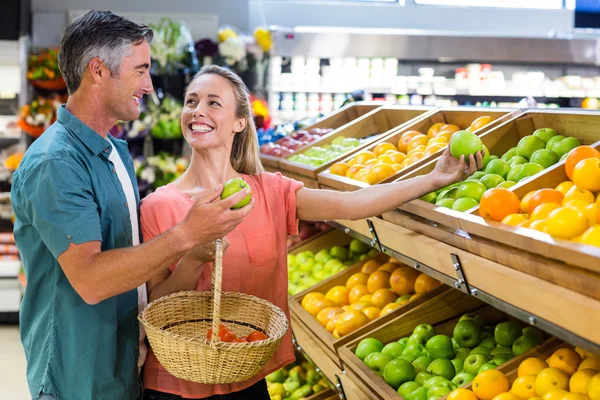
(94, 142)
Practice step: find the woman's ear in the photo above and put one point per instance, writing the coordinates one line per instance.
(240, 124)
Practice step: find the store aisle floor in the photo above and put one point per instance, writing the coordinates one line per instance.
(13, 384)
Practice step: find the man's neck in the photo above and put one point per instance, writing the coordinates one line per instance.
(89, 111)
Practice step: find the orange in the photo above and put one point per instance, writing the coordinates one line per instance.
(357, 279)
(594, 387)
(389, 308)
(361, 305)
(435, 129)
(405, 138)
(381, 148)
(369, 164)
(591, 237)
(594, 212)
(525, 201)
(446, 134)
(380, 172)
(583, 353)
(331, 323)
(363, 156)
(461, 394)
(415, 157)
(360, 175)
(507, 396)
(425, 283)
(366, 297)
(350, 162)
(398, 158)
(590, 362)
(481, 122)
(539, 225)
(353, 170)
(339, 295)
(370, 266)
(310, 297)
(315, 307)
(432, 150)
(575, 396)
(384, 159)
(514, 219)
(544, 196)
(350, 321)
(438, 140)
(339, 169)
(576, 193)
(542, 211)
(489, 384)
(588, 209)
(555, 394)
(327, 313)
(549, 379)
(531, 366)
(389, 267)
(403, 280)
(564, 187)
(383, 297)
(566, 223)
(372, 312)
(357, 293)
(578, 154)
(449, 128)
(580, 380)
(416, 150)
(497, 203)
(378, 280)
(586, 174)
(524, 386)
(418, 140)
(393, 260)
(524, 224)
(397, 167)
(415, 296)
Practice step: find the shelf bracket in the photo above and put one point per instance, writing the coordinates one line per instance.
(461, 283)
(375, 243)
(340, 388)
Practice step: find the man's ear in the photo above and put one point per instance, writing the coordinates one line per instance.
(98, 70)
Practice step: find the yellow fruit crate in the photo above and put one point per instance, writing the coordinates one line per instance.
(461, 117)
(369, 128)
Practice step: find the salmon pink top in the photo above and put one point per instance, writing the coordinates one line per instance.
(255, 263)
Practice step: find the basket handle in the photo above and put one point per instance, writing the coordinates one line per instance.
(216, 281)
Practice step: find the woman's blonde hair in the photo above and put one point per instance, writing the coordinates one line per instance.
(245, 154)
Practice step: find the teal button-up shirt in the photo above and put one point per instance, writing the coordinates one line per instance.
(67, 191)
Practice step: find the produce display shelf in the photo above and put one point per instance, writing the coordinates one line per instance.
(523, 285)
(460, 116)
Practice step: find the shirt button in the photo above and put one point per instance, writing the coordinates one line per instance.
(114, 171)
(106, 150)
(129, 241)
(69, 237)
(125, 204)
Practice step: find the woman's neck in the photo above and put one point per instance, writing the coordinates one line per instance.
(207, 169)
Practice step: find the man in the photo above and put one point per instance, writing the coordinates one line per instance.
(76, 202)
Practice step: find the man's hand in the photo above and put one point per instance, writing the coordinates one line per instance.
(449, 169)
(211, 218)
(204, 252)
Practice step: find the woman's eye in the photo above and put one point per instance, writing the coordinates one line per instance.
(214, 103)
(189, 101)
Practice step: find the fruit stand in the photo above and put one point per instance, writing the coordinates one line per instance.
(498, 271)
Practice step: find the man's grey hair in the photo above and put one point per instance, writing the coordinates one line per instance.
(98, 34)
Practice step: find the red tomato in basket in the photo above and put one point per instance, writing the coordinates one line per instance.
(242, 340)
(225, 335)
(256, 336)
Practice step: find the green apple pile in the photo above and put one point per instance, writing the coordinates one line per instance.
(319, 155)
(534, 153)
(427, 366)
(294, 382)
(306, 268)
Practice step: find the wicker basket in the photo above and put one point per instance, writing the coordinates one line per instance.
(177, 324)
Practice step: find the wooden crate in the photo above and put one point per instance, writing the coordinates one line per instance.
(583, 256)
(323, 338)
(443, 317)
(334, 121)
(460, 116)
(376, 125)
(583, 125)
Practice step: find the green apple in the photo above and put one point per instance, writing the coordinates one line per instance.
(498, 167)
(532, 330)
(486, 157)
(514, 172)
(323, 256)
(422, 377)
(462, 353)
(398, 371)
(481, 350)
(393, 349)
(564, 156)
(312, 377)
(500, 359)
(502, 350)
(416, 350)
(524, 343)
(429, 197)
(233, 186)
(546, 158)
(358, 247)
(463, 143)
(529, 169)
(486, 366)
(509, 154)
(409, 357)
(462, 379)
(455, 345)
(434, 380)
(473, 317)
(545, 134)
(491, 180)
(320, 275)
(507, 332)
(528, 145)
(407, 387)
(350, 142)
(466, 333)
(516, 160)
(368, 346)
(339, 252)
(425, 328)
(377, 362)
(307, 266)
(464, 204)
(442, 367)
(440, 390)
(403, 341)
(448, 203)
(418, 338)
(471, 189)
(291, 259)
(458, 364)
(291, 385)
(276, 377)
(474, 362)
(417, 394)
(302, 256)
(553, 140)
(448, 194)
(488, 342)
(478, 175)
(507, 184)
(422, 363)
(440, 346)
(566, 145)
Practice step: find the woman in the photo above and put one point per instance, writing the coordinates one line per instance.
(217, 124)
